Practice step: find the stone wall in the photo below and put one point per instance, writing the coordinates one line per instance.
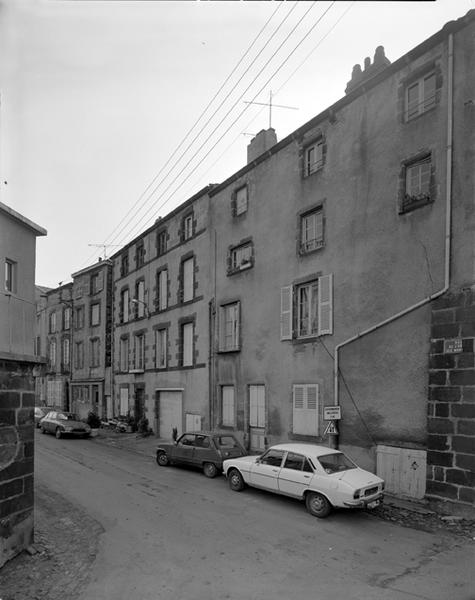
(17, 400)
(451, 406)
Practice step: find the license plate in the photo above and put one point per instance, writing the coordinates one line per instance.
(373, 504)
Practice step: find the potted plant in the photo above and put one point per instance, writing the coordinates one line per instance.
(94, 423)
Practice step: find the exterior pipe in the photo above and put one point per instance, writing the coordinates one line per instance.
(448, 225)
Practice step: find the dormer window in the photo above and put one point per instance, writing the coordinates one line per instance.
(313, 157)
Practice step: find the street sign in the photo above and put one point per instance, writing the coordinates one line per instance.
(331, 429)
(332, 413)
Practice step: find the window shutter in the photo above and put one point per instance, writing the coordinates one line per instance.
(286, 313)
(325, 304)
(305, 409)
(238, 326)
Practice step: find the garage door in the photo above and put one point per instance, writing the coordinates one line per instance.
(169, 413)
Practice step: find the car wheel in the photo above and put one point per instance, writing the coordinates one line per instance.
(210, 470)
(43, 430)
(236, 480)
(317, 505)
(58, 433)
(162, 459)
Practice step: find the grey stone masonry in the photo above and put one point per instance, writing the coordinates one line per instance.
(17, 401)
(451, 405)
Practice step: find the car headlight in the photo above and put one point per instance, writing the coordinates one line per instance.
(356, 494)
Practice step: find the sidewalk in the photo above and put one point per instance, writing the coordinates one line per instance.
(133, 442)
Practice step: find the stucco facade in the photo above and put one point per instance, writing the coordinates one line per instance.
(161, 342)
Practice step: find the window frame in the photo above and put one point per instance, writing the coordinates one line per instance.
(124, 309)
(11, 275)
(66, 352)
(408, 200)
(307, 246)
(95, 307)
(52, 322)
(124, 354)
(187, 352)
(422, 100)
(79, 355)
(95, 352)
(162, 289)
(310, 168)
(139, 351)
(188, 228)
(240, 206)
(235, 324)
(245, 263)
(52, 353)
(162, 242)
(67, 318)
(161, 350)
(188, 279)
(79, 317)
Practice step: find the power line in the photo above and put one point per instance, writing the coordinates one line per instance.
(203, 113)
(240, 114)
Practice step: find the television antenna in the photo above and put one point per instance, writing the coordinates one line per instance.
(105, 246)
(270, 105)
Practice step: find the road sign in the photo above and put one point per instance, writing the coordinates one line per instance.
(331, 429)
(332, 413)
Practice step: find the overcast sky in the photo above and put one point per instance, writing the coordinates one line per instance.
(100, 101)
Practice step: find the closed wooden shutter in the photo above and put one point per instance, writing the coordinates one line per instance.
(228, 405)
(286, 313)
(257, 406)
(305, 409)
(325, 305)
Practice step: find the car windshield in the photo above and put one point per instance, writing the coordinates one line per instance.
(335, 463)
(67, 416)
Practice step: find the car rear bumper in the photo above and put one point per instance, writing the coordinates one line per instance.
(370, 502)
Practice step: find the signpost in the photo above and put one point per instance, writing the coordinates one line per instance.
(331, 429)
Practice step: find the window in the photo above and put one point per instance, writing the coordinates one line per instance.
(240, 201)
(79, 355)
(94, 358)
(52, 353)
(139, 352)
(312, 305)
(140, 297)
(297, 462)
(79, 317)
(257, 406)
(187, 227)
(161, 348)
(272, 458)
(65, 352)
(52, 322)
(67, 318)
(229, 327)
(162, 289)
(305, 409)
(311, 230)
(227, 405)
(187, 344)
(95, 314)
(10, 275)
(420, 96)
(124, 264)
(124, 354)
(38, 346)
(188, 279)
(139, 255)
(97, 282)
(417, 184)
(240, 258)
(162, 242)
(124, 305)
(313, 157)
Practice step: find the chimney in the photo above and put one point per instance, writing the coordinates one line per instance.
(265, 139)
(359, 76)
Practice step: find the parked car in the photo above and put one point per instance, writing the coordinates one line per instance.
(64, 423)
(202, 449)
(324, 478)
(40, 412)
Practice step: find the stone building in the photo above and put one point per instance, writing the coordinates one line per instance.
(17, 392)
(161, 321)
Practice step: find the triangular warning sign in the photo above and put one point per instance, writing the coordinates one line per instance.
(331, 428)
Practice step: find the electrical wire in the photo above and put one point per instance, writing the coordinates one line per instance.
(240, 114)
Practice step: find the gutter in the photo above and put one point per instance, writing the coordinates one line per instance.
(448, 224)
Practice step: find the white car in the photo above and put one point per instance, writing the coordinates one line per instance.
(323, 477)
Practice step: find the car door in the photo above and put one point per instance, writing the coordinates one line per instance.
(295, 475)
(265, 471)
(204, 450)
(49, 421)
(184, 449)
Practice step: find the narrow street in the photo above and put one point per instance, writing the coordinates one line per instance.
(170, 533)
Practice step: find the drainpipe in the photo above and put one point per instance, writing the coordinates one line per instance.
(448, 222)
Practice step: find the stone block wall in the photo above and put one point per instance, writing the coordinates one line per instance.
(17, 401)
(451, 406)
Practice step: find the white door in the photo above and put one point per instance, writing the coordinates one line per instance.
(257, 417)
(295, 475)
(265, 473)
(169, 413)
(403, 469)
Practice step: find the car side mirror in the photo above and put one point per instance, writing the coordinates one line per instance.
(258, 460)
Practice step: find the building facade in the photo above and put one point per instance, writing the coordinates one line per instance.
(18, 364)
(161, 322)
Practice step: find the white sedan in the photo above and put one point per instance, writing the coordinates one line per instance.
(323, 477)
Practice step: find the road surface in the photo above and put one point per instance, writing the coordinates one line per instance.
(172, 534)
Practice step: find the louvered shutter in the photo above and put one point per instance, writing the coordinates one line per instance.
(305, 409)
(286, 313)
(325, 304)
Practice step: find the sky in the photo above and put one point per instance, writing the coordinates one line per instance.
(113, 113)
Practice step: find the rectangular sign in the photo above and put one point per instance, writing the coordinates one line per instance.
(332, 413)
(453, 346)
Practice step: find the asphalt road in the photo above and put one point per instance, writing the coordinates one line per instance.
(172, 534)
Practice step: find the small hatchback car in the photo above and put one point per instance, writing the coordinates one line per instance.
(202, 449)
(324, 478)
